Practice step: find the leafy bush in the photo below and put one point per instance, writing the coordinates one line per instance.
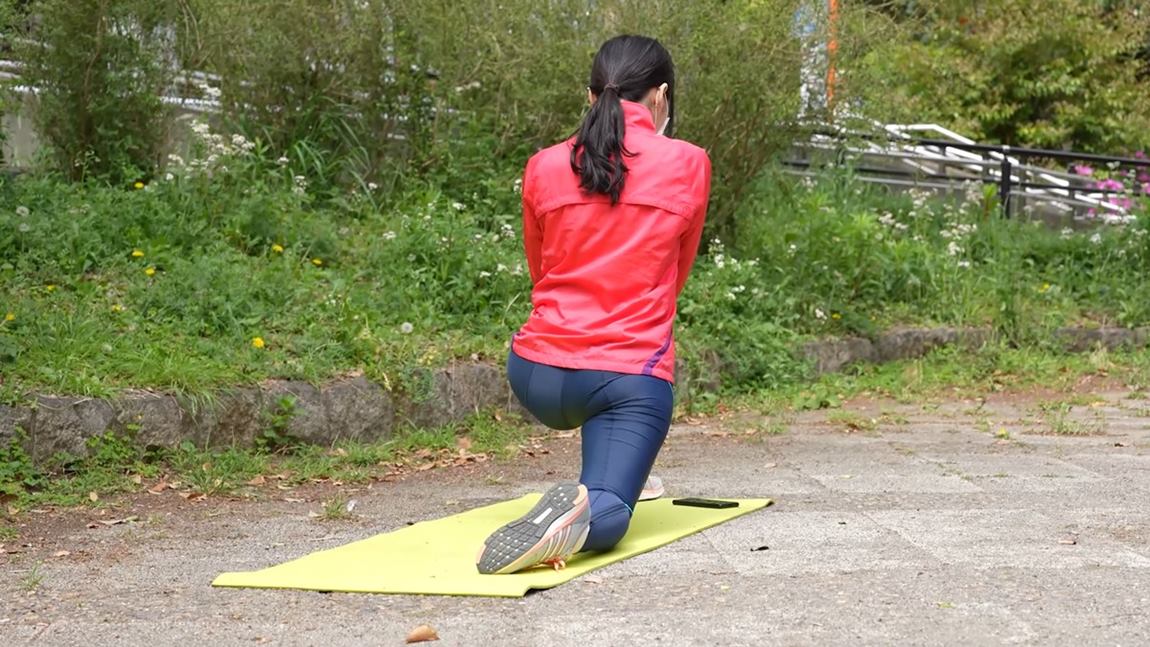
(1049, 74)
(100, 68)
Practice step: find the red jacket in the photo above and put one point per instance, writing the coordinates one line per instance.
(607, 277)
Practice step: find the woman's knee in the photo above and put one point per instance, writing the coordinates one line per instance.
(610, 518)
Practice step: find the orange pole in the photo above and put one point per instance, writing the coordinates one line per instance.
(832, 48)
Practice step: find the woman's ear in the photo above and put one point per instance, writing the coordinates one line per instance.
(663, 90)
(590, 97)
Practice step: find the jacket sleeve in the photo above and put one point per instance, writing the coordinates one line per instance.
(532, 232)
(689, 242)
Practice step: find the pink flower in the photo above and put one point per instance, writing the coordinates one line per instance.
(1082, 169)
(1140, 154)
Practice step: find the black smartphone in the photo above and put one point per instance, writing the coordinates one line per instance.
(705, 503)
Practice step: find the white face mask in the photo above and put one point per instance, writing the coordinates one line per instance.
(663, 128)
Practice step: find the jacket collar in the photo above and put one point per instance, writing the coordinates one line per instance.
(637, 115)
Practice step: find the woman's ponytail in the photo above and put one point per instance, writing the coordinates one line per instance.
(626, 67)
(598, 153)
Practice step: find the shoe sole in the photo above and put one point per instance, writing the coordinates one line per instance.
(516, 545)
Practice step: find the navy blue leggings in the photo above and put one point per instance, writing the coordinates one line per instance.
(625, 419)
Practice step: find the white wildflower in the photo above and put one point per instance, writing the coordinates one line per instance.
(484, 274)
(283, 161)
(458, 206)
(23, 211)
(372, 186)
(820, 315)
(1096, 239)
(389, 235)
(406, 328)
(1066, 233)
(964, 264)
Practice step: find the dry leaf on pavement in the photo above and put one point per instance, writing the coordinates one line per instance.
(422, 633)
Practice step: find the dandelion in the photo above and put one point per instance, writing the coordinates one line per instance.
(50, 288)
(138, 185)
(11, 316)
(258, 342)
(1045, 288)
(22, 211)
(318, 262)
(137, 253)
(406, 327)
(151, 271)
(117, 307)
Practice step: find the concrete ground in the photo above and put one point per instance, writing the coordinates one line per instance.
(1009, 521)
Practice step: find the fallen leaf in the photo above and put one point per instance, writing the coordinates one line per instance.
(192, 497)
(159, 487)
(425, 467)
(61, 553)
(463, 443)
(93, 497)
(422, 633)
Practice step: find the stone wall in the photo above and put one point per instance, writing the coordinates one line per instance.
(358, 409)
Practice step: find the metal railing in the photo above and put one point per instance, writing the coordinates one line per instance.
(902, 156)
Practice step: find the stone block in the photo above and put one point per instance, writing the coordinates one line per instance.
(358, 409)
(65, 424)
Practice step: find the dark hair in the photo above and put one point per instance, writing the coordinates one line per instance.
(626, 67)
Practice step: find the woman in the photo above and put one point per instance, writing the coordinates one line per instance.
(612, 220)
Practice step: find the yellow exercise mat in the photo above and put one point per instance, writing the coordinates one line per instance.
(438, 557)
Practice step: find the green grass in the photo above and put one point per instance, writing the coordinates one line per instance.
(250, 280)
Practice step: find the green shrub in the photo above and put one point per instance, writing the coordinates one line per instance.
(100, 68)
(1048, 74)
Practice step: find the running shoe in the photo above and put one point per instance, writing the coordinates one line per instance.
(652, 489)
(553, 531)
